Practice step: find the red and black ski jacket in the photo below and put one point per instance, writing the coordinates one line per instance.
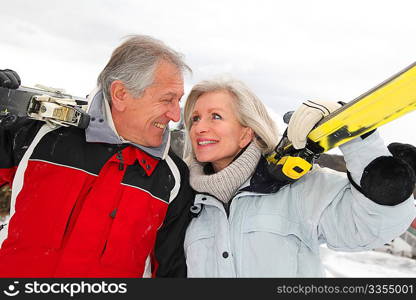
(82, 209)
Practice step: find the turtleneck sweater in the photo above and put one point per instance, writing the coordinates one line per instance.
(224, 184)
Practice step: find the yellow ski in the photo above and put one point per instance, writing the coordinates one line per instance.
(386, 102)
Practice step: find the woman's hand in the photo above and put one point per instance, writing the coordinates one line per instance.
(305, 118)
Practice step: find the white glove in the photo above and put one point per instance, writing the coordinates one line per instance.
(305, 118)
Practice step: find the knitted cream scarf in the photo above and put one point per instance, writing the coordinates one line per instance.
(226, 182)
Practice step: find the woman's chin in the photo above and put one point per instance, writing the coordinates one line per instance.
(204, 158)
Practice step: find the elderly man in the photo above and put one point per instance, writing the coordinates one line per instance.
(110, 200)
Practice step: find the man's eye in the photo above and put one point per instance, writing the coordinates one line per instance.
(195, 119)
(216, 117)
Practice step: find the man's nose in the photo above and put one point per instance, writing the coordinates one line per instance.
(174, 114)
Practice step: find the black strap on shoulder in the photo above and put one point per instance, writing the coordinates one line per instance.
(354, 184)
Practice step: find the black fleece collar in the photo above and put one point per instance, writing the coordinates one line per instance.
(262, 182)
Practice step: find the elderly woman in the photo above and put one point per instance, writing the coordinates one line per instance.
(247, 224)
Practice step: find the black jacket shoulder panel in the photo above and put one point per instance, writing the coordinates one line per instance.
(15, 140)
(169, 250)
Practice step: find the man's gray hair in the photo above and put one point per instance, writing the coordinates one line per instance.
(250, 111)
(134, 63)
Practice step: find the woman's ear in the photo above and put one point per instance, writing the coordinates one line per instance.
(119, 95)
(246, 137)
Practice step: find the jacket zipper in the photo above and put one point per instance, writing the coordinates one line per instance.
(120, 158)
(113, 213)
(227, 206)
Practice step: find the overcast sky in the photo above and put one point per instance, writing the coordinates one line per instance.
(285, 51)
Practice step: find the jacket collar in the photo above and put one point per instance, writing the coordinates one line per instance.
(101, 128)
(262, 182)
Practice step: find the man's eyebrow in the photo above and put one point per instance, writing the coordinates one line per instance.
(172, 94)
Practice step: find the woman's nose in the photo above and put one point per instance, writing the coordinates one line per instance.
(201, 126)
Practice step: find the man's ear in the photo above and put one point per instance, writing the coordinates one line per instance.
(119, 95)
(246, 137)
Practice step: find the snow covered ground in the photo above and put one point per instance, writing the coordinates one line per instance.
(366, 264)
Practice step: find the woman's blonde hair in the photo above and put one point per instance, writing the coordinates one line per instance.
(250, 111)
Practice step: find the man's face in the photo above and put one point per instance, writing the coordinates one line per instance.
(144, 119)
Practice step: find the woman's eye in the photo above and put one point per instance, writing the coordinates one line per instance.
(216, 117)
(195, 119)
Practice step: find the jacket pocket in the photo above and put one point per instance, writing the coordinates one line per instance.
(200, 249)
(127, 248)
(131, 237)
(270, 244)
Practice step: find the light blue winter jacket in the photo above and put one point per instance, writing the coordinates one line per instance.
(278, 234)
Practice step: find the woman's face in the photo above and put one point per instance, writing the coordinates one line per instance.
(216, 134)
